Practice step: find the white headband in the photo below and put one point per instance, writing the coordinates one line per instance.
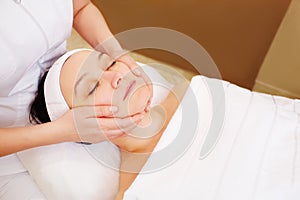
(54, 99)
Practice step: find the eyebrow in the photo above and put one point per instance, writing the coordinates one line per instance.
(78, 82)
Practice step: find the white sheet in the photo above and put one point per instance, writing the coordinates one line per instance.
(256, 155)
(19, 186)
(69, 171)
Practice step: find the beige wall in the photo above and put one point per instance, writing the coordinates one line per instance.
(280, 72)
(237, 33)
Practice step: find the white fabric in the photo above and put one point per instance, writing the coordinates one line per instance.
(10, 164)
(19, 186)
(32, 37)
(256, 157)
(54, 99)
(70, 171)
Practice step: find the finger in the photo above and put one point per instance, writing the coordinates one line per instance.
(111, 134)
(127, 59)
(123, 124)
(84, 111)
(96, 111)
(131, 63)
(119, 124)
(105, 111)
(134, 67)
(138, 71)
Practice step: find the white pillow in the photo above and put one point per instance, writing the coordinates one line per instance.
(70, 171)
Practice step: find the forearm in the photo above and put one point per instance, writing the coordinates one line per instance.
(21, 138)
(90, 23)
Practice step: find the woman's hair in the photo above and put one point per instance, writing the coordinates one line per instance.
(38, 111)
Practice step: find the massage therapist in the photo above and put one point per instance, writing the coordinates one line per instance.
(33, 35)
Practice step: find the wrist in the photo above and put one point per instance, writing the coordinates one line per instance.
(111, 47)
(64, 132)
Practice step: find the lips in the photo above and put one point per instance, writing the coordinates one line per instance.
(129, 88)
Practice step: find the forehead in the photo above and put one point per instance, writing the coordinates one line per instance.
(94, 61)
(84, 62)
(88, 60)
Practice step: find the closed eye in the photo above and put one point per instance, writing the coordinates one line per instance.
(97, 84)
(94, 89)
(112, 64)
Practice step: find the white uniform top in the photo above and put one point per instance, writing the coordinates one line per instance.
(32, 37)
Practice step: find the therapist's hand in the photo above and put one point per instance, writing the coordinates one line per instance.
(93, 124)
(138, 71)
(113, 49)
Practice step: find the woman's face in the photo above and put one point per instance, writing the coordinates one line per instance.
(92, 78)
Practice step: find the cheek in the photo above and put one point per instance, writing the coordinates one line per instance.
(138, 100)
(103, 97)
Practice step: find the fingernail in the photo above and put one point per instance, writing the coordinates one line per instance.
(137, 71)
(113, 109)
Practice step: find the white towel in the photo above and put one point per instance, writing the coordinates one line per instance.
(254, 155)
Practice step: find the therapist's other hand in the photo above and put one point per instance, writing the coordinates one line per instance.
(113, 49)
(124, 57)
(94, 124)
(138, 71)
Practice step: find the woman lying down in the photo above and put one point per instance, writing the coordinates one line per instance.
(190, 144)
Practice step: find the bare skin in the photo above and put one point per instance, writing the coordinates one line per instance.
(136, 151)
(84, 81)
(91, 25)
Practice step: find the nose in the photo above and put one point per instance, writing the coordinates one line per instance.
(116, 80)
